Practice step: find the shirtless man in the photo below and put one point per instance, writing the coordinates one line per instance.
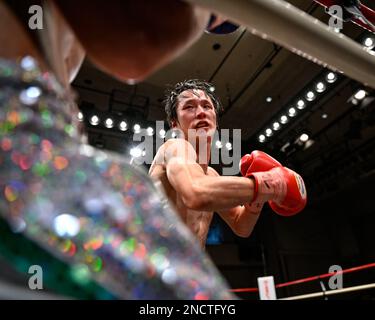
(196, 190)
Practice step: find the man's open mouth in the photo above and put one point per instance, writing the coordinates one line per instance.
(202, 124)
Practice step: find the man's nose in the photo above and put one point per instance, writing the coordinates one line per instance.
(200, 112)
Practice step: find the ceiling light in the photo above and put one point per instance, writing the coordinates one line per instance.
(262, 138)
(135, 152)
(360, 94)
(369, 42)
(301, 104)
(162, 133)
(108, 123)
(304, 137)
(268, 132)
(283, 119)
(137, 128)
(276, 126)
(80, 116)
(320, 87)
(123, 126)
(331, 77)
(150, 131)
(292, 112)
(310, 96)
(94, 120)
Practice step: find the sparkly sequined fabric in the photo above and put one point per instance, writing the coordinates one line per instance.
(89, 208)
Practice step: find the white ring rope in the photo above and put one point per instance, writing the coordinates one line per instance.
(294, 29)
(331, 292)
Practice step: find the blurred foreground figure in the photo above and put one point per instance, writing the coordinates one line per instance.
(91, 209)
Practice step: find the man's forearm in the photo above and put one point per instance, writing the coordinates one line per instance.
(241, 219)
(221, 193)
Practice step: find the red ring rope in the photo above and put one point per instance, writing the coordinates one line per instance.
(325, 275)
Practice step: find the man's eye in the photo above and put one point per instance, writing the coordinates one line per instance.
(207, 106)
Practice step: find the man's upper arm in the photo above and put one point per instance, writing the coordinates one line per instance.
(182, 167)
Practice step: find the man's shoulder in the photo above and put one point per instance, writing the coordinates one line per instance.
(212, 172)
(176, 148)
(171, 147)
(169, 144)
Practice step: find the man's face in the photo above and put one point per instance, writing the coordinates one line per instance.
(195, 112)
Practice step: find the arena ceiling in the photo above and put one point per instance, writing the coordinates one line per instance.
(257, 82)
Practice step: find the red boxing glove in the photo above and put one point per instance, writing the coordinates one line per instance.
(282, 187)
(257, 161)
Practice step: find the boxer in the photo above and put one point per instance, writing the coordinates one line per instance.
(196, 190)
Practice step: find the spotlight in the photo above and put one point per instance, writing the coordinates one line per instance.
(218, 144)
(292, 112)
(360, 94)
(269, 132)
(310, 96)
(276, 126)
(337, 30)
(150, 131)
(304, 137)
(283, 119)
(123, 126)
(320, 87)
(94, 120)
(269, 99)
(261, 138)
(137, 128)
(80, 116)
(324, 116)
(211, 88)
(162, 133)
(369, 42)
(331, 77)
(135, 152)
(301, 104)
(108, 123)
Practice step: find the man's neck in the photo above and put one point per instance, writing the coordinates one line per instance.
(203, 151)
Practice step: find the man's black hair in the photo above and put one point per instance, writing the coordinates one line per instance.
(171, 96)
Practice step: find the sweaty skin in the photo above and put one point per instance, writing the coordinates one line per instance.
(196, 190)
(198, 221)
